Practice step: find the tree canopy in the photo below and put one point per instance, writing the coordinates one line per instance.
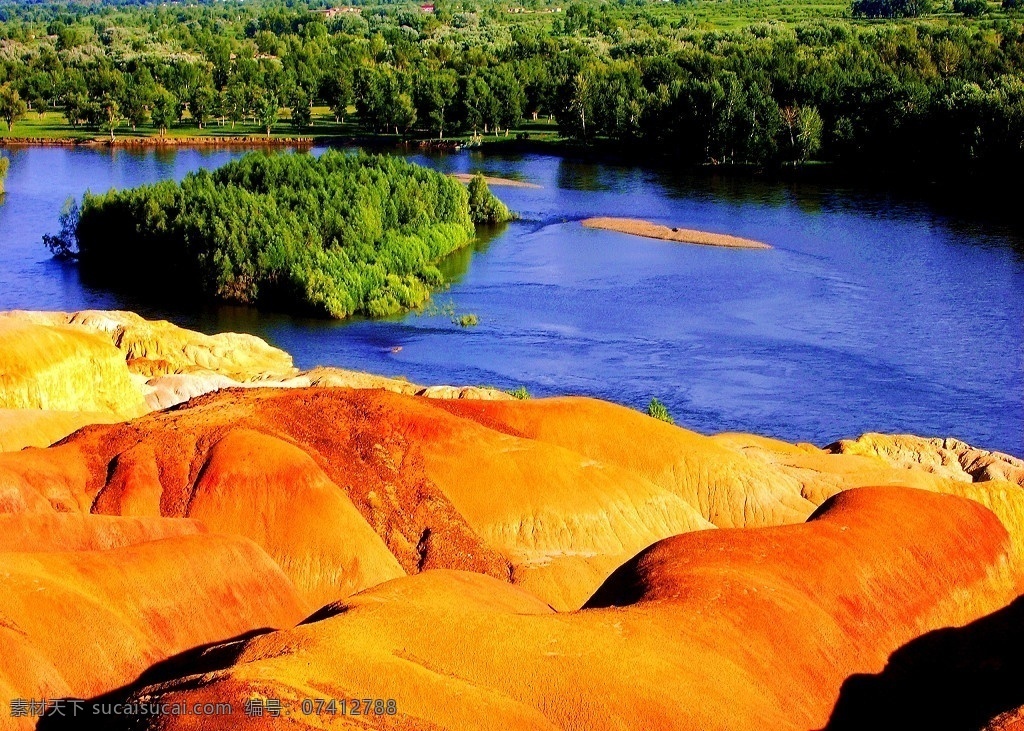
(896, 85)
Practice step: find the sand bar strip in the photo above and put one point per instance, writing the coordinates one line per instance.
(466, 177)
(639, 227)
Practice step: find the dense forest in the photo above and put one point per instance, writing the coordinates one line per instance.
(337, 234)
(936, 87)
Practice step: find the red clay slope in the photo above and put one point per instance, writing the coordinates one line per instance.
(85, 622)
(348, 488)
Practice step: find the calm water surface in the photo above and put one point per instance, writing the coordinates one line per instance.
(869, 314)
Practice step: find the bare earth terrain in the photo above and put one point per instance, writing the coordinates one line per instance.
(246, 533)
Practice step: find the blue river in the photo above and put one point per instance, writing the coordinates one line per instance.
(872, 312)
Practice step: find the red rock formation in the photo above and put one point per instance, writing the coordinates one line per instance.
(251, 508)
(441, 490)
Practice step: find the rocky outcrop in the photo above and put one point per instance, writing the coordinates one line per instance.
(267, 489)
(59, 368)
(349, 487)
(21, 428)
(948, 457)
(60, 371)
(286, 466)
(170, 390)
(153, 348)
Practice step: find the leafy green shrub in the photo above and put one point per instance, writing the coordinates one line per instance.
(336, 235)
(1013, 4)
(467, 320)
(970, 8)
(520, 393)
(657, 410)
(891, 8)
(483, 206)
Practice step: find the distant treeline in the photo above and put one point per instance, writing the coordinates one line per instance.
(336, 235)
(943, 93)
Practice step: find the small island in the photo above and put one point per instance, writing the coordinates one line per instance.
(335, 235)
(639, 227)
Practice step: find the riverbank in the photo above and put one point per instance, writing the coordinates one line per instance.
(649, 230)
(198, 141)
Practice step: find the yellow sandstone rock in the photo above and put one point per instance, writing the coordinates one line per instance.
(61, 371)
(949, 458)
(60, 368)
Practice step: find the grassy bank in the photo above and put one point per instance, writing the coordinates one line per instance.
(51, 127)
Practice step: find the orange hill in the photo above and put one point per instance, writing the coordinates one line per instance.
(444, 549)
(83, 622)
(347, 488)
(731, 629)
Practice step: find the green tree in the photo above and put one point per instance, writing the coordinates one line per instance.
(341, 96)
(809, 126)
(435, 92)
(971, 8)
(12, 106)
(76, 108)
(581, 103)
(136, 109)
(64, 244)
(804, 127)
(35, 90)
(384, 100)
(474, 103)
(335, 234)
(301, 113)
(138, 97)
(202, 104)
(267, 111)
(109, 113)
(235, 102)
(402, 111)
(69, 37)
(891, 8)
(135, 104)
(165, 106)
(509, 98)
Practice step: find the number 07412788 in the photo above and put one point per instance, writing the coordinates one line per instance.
(349, 707)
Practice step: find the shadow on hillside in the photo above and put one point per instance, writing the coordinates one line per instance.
(196, 661)
(956, 679)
